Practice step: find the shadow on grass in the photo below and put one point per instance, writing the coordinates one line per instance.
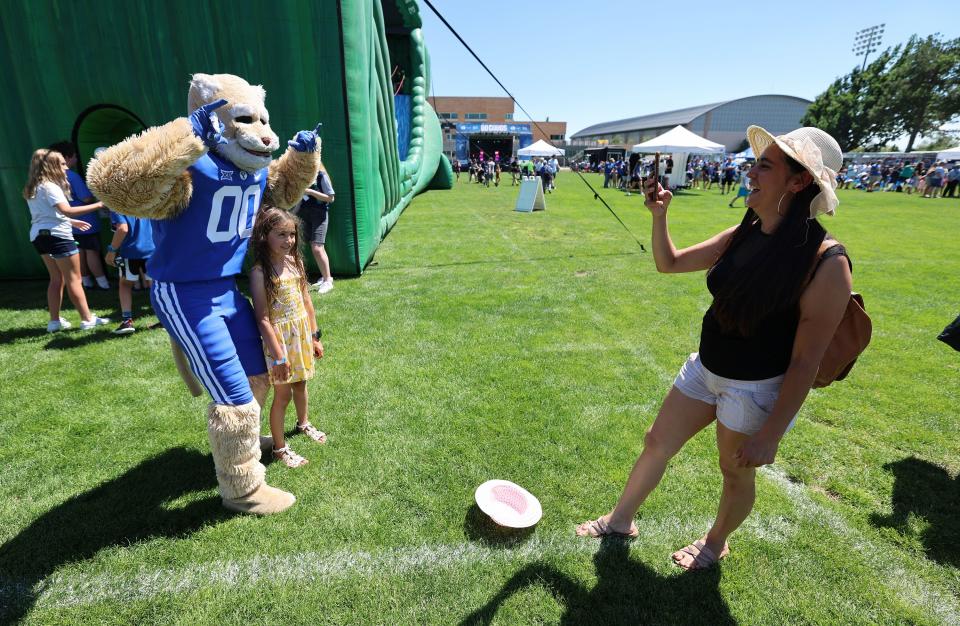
(479, 527)
(15, 335)
(68, 340)
(18, 295)
(925, 490)
(627, 592)
(128, 509)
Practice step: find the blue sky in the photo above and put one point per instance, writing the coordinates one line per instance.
(588, 62)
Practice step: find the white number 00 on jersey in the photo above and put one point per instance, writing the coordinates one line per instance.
(240, 203)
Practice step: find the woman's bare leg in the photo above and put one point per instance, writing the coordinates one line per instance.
(736, 499)
(679, 419)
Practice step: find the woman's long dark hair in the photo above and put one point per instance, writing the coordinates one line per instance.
(775, 278)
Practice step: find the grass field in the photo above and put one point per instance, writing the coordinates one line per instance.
(486, 343)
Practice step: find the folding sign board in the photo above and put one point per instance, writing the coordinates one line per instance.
(531, 195)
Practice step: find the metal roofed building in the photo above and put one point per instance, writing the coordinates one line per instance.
(722, 122)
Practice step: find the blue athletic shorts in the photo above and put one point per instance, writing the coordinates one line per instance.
(215, 327)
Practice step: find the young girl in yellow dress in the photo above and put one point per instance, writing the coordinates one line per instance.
(287, 322)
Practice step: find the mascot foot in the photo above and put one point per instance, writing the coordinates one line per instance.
(264, 500)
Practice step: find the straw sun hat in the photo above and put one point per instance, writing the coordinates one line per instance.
(508, 504)
(816, 151)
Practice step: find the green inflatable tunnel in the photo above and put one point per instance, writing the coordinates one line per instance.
(358, 66)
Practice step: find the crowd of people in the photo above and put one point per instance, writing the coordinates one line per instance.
(487, 170)
(929, 179)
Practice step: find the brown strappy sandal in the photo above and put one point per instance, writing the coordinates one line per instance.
(290, 458)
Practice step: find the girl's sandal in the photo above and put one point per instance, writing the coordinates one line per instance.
(290, 458)
(311, 431)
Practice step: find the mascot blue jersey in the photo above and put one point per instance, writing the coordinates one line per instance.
(209, 238)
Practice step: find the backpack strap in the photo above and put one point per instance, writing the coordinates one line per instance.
(834, 250)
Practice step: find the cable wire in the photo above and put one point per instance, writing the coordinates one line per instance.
(596, 196)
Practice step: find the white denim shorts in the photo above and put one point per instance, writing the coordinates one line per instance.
(742, 405)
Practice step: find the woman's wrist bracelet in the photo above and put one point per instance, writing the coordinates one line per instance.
(280, 361)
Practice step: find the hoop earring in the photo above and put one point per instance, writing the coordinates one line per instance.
(778, 204)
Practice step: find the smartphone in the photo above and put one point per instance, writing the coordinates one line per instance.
(656, 176)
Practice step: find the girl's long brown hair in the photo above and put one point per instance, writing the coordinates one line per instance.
(45, 166)
(267, 220)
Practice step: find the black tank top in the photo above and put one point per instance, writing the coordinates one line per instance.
(765, 353)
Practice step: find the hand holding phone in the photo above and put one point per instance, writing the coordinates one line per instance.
(656, 176)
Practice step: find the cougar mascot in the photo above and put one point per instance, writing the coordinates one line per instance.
(201, 179)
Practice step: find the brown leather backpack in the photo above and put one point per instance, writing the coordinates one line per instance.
(852, 335)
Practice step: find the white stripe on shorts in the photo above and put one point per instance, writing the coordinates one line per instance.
(197, 346)
(174, 329)
(191, 345)
(177, 333)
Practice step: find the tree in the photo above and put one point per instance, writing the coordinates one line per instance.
(921, 89)
(851, 109)
(938, 141)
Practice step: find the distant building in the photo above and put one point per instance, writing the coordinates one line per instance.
(471, 125)
(722, 122)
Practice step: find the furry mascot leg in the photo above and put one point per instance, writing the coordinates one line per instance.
(235, 444)
(260, 385)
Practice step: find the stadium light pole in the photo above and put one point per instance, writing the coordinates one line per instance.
(867, 41)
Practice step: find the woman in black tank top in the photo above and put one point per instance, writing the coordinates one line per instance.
(774, 312)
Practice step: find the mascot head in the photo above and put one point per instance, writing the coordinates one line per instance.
(250, 140)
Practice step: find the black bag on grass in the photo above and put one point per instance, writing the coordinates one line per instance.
(951, 334)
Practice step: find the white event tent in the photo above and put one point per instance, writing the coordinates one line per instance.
(541, 149)
(953, 154)
(681, 143)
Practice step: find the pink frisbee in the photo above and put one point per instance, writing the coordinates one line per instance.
(508, 504)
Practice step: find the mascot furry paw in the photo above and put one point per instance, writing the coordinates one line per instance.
(201, 180)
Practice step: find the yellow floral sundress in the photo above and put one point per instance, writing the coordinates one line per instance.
(292, 328)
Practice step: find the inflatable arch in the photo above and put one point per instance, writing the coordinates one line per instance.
(98, 72)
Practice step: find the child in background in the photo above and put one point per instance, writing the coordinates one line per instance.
(133, 243)
(51, 221)
(88, 239)
(744, 190)
(287, 321)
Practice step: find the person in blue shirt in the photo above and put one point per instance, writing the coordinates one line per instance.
(874, 179)
(129, 252)
(88, 241)
(607, 172)
(953, 179)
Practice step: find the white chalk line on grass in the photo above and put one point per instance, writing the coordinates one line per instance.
(74, 589)
(65, 589)
(891, 574)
